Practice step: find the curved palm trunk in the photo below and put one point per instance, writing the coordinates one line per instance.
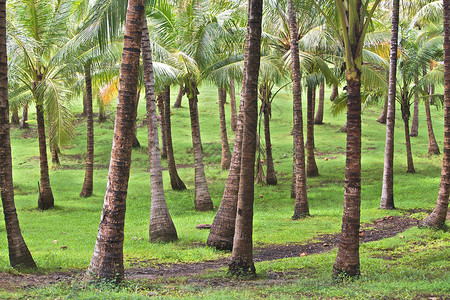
(311, 166)
(202, 198)
(226, 155)
(24, 120)
(437, 217)
(162, 124)
(233, 121)
(175, 180)
(271, 177)
(387, 192)
(433, 147)
(161, 226)
(19, 255)
(301, 208)
(45, 200)
(242, 256)
(318, 119)
(107, 260)
(415, 120)
(382, 118)
(88, 184)
(181, 93)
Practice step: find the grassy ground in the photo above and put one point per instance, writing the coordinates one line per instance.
(417, 265)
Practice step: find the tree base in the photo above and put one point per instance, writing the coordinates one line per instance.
(298, 216)
(222, 245)
(352, 273)
(239, 267)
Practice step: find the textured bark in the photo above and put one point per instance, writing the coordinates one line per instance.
(311, 166)
(301, 208)
(101, 116)
(19, 255)
(24, 120)
(161, 226)
(433, 147)
(242, 256)
(15, 120)
(226, 155)
(415, 120)
(175, 180)
(233, 121)
(318, 119)
(387, 192)
(162, 124)
(343, 128)
(409, 158)
(382, 118)
(437, 217)
(45, 200)
(55, 151)
(107, 260)
(334, 92)
(88, 184)
(271, 177)
(181, 93)
(135, 142)
(202, 198)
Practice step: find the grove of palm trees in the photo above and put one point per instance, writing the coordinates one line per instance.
(232, 149)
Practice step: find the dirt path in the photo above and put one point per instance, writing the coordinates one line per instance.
(379, 229)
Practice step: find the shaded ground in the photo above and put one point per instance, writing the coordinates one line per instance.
(379, 229)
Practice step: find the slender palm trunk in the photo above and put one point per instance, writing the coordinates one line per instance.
(202, 198)
(433, 147)
(382, 118)
(162, 124)
(88, 184)
(45, 200)
(271, 177)
(409, 158)
(107, 260)
(415, 120)
(387, 192)
(318, 119)
(175, 180)
(233, 120)
(161, 226)
(15, 120)
(181, 93)
(334, 92)
(135, 142)
(242, 256)
(437, 217)
(311, 166)
(24, 120)
(19, 255)
(301, 208)
(226, 155)
(101, 116)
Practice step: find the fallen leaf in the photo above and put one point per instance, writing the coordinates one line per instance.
(55, 241)
(63, 247)
(302, 254)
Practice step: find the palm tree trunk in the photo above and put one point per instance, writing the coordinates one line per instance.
(438, 216)
(45, 200)
(162, 124)
(408, 146)
(19, 255)
(233, 106)
(242, 256)
(387, 192)
(135, 143)
(15, 120)
(181, 93)
(226, 155)
(24, 120)
(382, 118)
(271, 177)
(318, 119)
(311, 166)
(55, 151)
(433, 147)
(101, 113)
(415, 119)
(161, 226)
(175, 180)
(107, 260)
(301, 208)
(202, 198)
(88, 184)
(334, 92)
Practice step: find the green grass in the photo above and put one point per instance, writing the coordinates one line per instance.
(421, 266)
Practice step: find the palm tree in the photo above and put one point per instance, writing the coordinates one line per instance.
(387, 194)
(107, 260)
(19, 255)
(438, 216)
(226, 155)
(161, 226)
(318, 119)
(242, 256)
